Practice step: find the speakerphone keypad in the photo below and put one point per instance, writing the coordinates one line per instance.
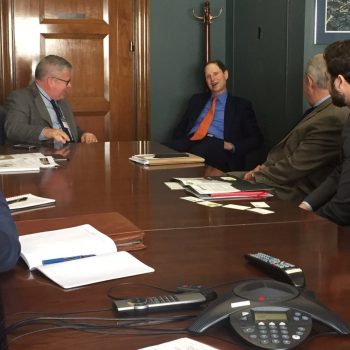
(273, 334)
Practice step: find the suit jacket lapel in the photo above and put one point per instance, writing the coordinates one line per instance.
(40, 105)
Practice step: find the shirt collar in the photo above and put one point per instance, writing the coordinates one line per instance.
(43, 93)
(222, 97)
(321, 101)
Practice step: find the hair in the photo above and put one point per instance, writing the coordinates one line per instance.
(49, 63)
(316, 68)
(337, 56)
(218, 63)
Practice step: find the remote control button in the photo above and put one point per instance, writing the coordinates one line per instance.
(296, 337)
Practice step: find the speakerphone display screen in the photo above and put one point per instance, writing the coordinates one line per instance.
(270, 316)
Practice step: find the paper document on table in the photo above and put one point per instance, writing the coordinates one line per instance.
(181, 344)
(77, 256)
(81, 272)
(159, 159)
(26, 201)
(209, 187)
(25, 163)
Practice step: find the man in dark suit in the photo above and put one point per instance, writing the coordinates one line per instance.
(232, 131)
(332, 198)
(310, 151)
(40, 113)
(9, 243)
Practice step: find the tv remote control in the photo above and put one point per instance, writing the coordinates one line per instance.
(160, 303)
(279, 269)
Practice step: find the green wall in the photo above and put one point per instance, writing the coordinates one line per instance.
(176, 50)
(177, 57)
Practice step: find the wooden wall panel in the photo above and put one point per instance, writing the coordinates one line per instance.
(99, 38)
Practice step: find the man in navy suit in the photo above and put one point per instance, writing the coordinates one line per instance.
(233, 132)
(9, 243)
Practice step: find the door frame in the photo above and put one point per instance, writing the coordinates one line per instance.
(141, 68)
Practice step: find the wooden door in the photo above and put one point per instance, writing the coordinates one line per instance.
(106, 42)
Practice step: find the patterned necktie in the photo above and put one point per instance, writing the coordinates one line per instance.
(204, 125)
(61, 119)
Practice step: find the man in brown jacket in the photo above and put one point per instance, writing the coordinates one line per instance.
(310, 151)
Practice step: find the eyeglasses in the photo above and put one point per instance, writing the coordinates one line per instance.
(65, 81)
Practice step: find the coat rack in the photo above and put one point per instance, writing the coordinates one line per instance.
(207, 19)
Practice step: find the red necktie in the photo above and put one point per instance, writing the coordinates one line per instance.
(204, 125)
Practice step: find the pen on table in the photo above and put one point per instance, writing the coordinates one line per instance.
(16, 200)
(69, 258)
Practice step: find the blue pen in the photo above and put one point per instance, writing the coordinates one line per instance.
(58, 260)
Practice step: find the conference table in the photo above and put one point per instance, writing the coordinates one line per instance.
(186, 243)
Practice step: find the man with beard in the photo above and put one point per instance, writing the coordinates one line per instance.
(332, 198)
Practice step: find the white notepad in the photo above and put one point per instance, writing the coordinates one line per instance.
(106, 264)
(28, 201)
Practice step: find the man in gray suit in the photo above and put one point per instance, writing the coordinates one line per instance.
(40, 113)
(310, 151)
(332, 198)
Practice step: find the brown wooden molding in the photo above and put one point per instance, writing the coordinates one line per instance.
(142, 60)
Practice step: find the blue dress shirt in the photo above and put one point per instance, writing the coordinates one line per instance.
(216, 128)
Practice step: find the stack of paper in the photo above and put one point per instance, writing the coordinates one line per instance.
(28, 201)
(217, 188)
(166, 159)
(78, 256)
(25, 163)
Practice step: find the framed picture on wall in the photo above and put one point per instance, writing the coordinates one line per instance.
(332, 20)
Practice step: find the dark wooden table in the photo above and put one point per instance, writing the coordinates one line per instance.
(186, 243)
(100, 178)
(205, 256)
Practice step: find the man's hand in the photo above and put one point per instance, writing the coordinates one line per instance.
(228, 146)
(249, 176)
(55, 134)
(305, 206)
(88, 137)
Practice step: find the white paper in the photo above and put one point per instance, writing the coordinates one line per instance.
(260, 204)
(237, 207)
(261, 211)
(73, 241)
(192, 199)
(174, 185)
(80, 272)
(181, 344)
(30, 202)
(211, 187)
(25, 162)
(210, 204)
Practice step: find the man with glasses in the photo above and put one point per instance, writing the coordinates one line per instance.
(332, 198)
(40, 112)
